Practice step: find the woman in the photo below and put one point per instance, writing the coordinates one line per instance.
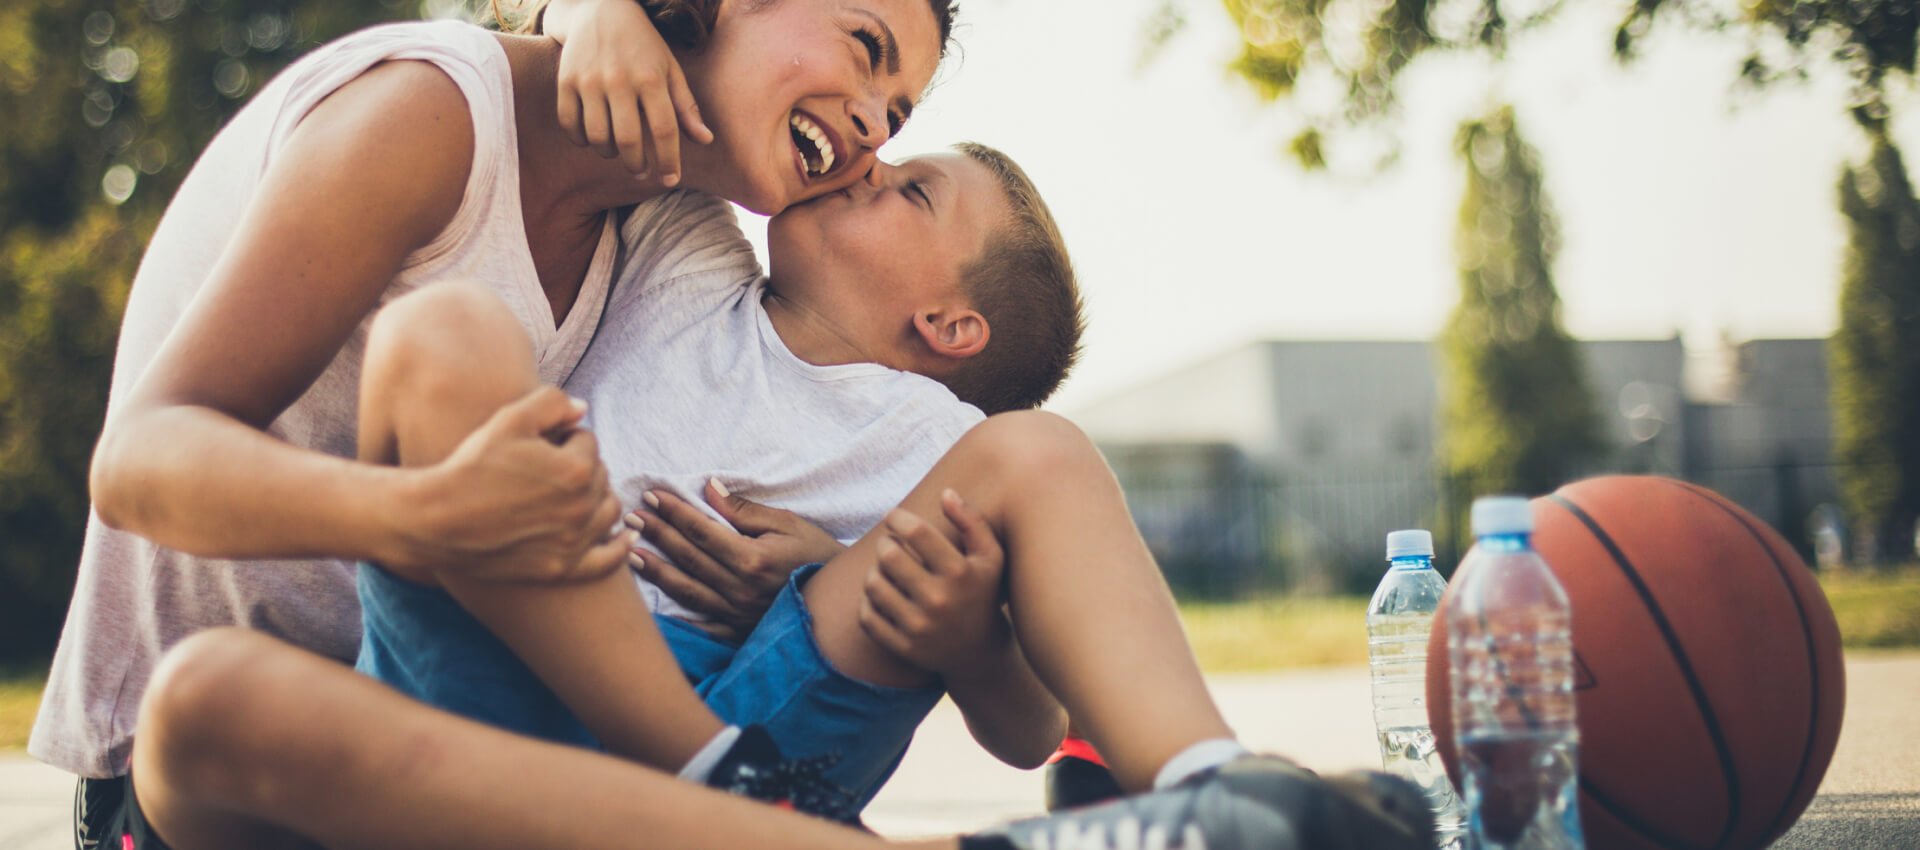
(381, 163)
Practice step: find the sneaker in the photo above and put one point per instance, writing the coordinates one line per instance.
(1251, 803)
(1076, 776)
(754, 767)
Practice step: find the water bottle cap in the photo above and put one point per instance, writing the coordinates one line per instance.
(1502, 515)
(1412, 542)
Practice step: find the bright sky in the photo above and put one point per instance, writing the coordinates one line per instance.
(1682, 206)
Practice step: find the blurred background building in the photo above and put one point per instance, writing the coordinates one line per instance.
(1282, 463)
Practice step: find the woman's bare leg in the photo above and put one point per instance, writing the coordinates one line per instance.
(246, 742)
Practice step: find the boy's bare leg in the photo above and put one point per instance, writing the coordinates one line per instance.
(1127, 677)
(246, 742)
(439, 362)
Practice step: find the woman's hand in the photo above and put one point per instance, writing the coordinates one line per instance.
(621, 87)
(524, 498)
(934, 601)
(730, 575)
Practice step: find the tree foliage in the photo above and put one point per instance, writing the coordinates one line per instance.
(1875, 354)
(1357, 49)
(1516, 413)
(1869, 39)
(105, 104)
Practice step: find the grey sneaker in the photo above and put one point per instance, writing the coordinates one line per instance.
(1251, 803)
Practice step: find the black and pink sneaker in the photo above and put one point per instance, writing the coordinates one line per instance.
(1077, 776)
(754, 767)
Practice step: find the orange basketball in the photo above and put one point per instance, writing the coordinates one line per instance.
(1706, 660)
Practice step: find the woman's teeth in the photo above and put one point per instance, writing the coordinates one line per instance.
(808, 135)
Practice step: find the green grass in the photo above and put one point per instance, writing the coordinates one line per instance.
(1876, 610)
(19, 699)
(1277, 632)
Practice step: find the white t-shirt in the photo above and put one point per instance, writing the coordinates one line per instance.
(688, 380)
(133, 598)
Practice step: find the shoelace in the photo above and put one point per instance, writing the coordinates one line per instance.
(1128, 834)
(799, 783)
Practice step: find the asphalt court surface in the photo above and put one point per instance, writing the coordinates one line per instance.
(1870, 799)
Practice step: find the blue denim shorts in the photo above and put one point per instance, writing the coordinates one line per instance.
(779, 679)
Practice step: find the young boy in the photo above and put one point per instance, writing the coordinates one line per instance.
(811, 389)
(828, 389)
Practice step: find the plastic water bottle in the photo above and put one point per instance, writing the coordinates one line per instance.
(1510, 648)
(1399, 620)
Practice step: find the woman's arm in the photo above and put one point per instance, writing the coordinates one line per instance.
(729, 572)
(372, 173)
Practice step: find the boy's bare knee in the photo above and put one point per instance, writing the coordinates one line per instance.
(1031, 443)
(445, 342)
(446, 325)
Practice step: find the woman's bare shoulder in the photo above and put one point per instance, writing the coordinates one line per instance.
(403, 126)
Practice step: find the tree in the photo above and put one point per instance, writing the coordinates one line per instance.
(1515, 409)
(1357, 49)
(105, 105)
(1875, 354)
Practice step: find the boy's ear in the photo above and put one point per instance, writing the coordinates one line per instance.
(952, 332)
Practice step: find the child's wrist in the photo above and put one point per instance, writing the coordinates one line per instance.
(986, 659)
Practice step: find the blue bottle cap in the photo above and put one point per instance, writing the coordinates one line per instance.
(1409, 543)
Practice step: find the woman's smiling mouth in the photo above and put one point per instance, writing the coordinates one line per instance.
(816, 144)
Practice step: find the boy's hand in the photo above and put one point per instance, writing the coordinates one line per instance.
(934, 601)
(729, 574)
(621, 88)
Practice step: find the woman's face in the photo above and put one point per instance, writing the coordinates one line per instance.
(800, 93)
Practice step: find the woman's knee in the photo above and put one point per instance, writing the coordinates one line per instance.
(198, 705)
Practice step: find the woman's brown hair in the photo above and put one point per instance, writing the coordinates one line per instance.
(682, 23)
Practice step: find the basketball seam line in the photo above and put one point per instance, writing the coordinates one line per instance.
(1701, 703)
(1806, 632)
(1593, 792)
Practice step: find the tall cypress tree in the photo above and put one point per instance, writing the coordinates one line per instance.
(1875, 354)
(1516, 414)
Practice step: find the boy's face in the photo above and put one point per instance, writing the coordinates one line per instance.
(872, 256)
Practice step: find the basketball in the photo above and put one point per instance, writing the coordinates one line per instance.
(1707, 667)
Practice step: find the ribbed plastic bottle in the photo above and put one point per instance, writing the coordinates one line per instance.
(1510, 655)
(1399, 619)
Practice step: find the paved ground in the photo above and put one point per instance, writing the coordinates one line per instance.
(1870, 800)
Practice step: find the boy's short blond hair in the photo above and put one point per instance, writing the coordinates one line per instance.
(1023, 284)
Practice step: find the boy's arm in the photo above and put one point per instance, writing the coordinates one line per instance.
(1006, 708)
(939, 607)
(621, 89)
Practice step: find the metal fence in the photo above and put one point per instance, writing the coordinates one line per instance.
(1240, 530)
